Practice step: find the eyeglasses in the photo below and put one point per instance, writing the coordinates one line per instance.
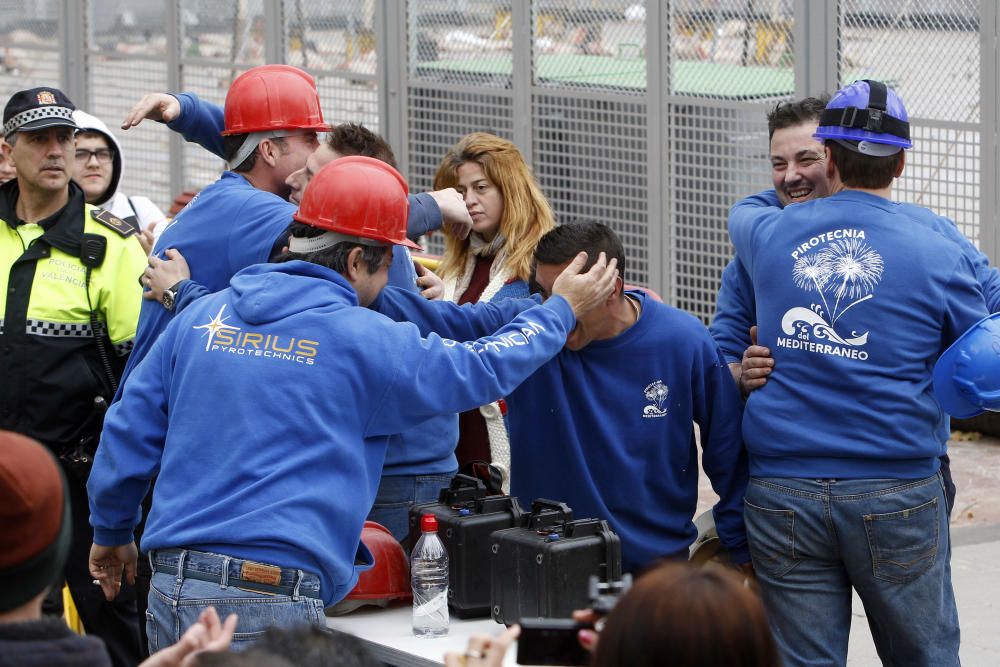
(103, 155)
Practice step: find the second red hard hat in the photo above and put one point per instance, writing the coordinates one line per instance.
(358, 196)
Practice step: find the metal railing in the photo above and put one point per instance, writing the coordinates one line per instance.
(647, 115)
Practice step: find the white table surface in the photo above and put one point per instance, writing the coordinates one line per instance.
(388, 633)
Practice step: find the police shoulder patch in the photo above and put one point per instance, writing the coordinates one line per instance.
(112, 221)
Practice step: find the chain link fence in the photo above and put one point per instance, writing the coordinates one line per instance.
(646, 114)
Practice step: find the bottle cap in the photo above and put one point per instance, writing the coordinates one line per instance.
(428, 523)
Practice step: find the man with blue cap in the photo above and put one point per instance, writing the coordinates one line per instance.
(856, 299)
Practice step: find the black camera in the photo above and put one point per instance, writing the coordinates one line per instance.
(553, 641)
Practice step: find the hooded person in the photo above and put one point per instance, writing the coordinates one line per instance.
(99, 168)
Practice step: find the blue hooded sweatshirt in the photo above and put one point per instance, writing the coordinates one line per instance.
(608, 429)
(265, 411)
(856, 296)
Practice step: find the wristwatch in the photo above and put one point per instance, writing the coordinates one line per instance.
(169, 298)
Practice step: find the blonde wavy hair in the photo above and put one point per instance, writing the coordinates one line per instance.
(526, 216)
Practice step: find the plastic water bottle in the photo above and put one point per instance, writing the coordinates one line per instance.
(429, 578)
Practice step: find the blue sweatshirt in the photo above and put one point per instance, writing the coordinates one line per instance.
(735, 307)
(608, 429)
(856, 297)
(231, 214)
(266, 409)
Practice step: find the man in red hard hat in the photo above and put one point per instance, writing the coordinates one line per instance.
(267, 408)
(271, 117)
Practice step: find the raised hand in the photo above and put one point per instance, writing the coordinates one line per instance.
(154, 106)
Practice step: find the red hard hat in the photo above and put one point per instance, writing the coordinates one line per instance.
(358, 196)
(273, 97)
(387, 580)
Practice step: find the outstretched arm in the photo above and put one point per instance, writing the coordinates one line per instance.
(197, 121)
(465, 375)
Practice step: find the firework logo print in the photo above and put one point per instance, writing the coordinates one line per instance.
(839, 270)
(656, 393)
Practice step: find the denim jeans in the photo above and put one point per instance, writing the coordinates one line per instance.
(812, 540)
(176, 601)
(398, 493)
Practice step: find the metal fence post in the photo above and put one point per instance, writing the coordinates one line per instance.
(175, 83)
(521, 77)
(275, 35)
(73, 26)
(989, 199)
(393, 76)
(657, 73)
(815, 35)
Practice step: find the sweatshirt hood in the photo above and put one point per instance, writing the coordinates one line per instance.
(264, 293)
(87, 123)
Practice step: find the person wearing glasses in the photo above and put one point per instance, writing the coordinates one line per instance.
(98, 170)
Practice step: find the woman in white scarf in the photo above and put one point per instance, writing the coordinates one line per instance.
(509, 215)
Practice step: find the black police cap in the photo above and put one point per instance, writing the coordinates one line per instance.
(36, 109)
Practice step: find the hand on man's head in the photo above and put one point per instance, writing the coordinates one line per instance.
(586, 290)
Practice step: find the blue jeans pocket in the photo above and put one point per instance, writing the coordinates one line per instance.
(771, 536)
(903, 544)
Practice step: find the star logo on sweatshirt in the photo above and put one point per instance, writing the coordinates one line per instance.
(214, 325)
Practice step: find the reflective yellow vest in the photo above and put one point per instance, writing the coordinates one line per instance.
(52, 369)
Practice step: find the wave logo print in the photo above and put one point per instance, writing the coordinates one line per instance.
(844, 274)
(656, 393)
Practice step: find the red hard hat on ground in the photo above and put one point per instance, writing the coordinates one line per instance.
(358, 196)
(273, 97)
(387, 580)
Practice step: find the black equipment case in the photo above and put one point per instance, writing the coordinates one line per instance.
(466, 516)
(543, 569)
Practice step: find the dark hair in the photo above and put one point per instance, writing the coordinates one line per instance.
(249, 658)
(564, 242)
(864, 171)
(356, 139)
(680, 615)
(334, 257)
(790, 114)
(312, 646)
(231, 145)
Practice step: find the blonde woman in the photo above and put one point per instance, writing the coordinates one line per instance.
(509, 215)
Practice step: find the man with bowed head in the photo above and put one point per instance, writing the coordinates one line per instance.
(265, 470)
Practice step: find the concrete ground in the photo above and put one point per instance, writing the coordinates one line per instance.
(975, 554)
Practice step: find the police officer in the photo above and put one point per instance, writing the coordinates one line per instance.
(70, 303)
